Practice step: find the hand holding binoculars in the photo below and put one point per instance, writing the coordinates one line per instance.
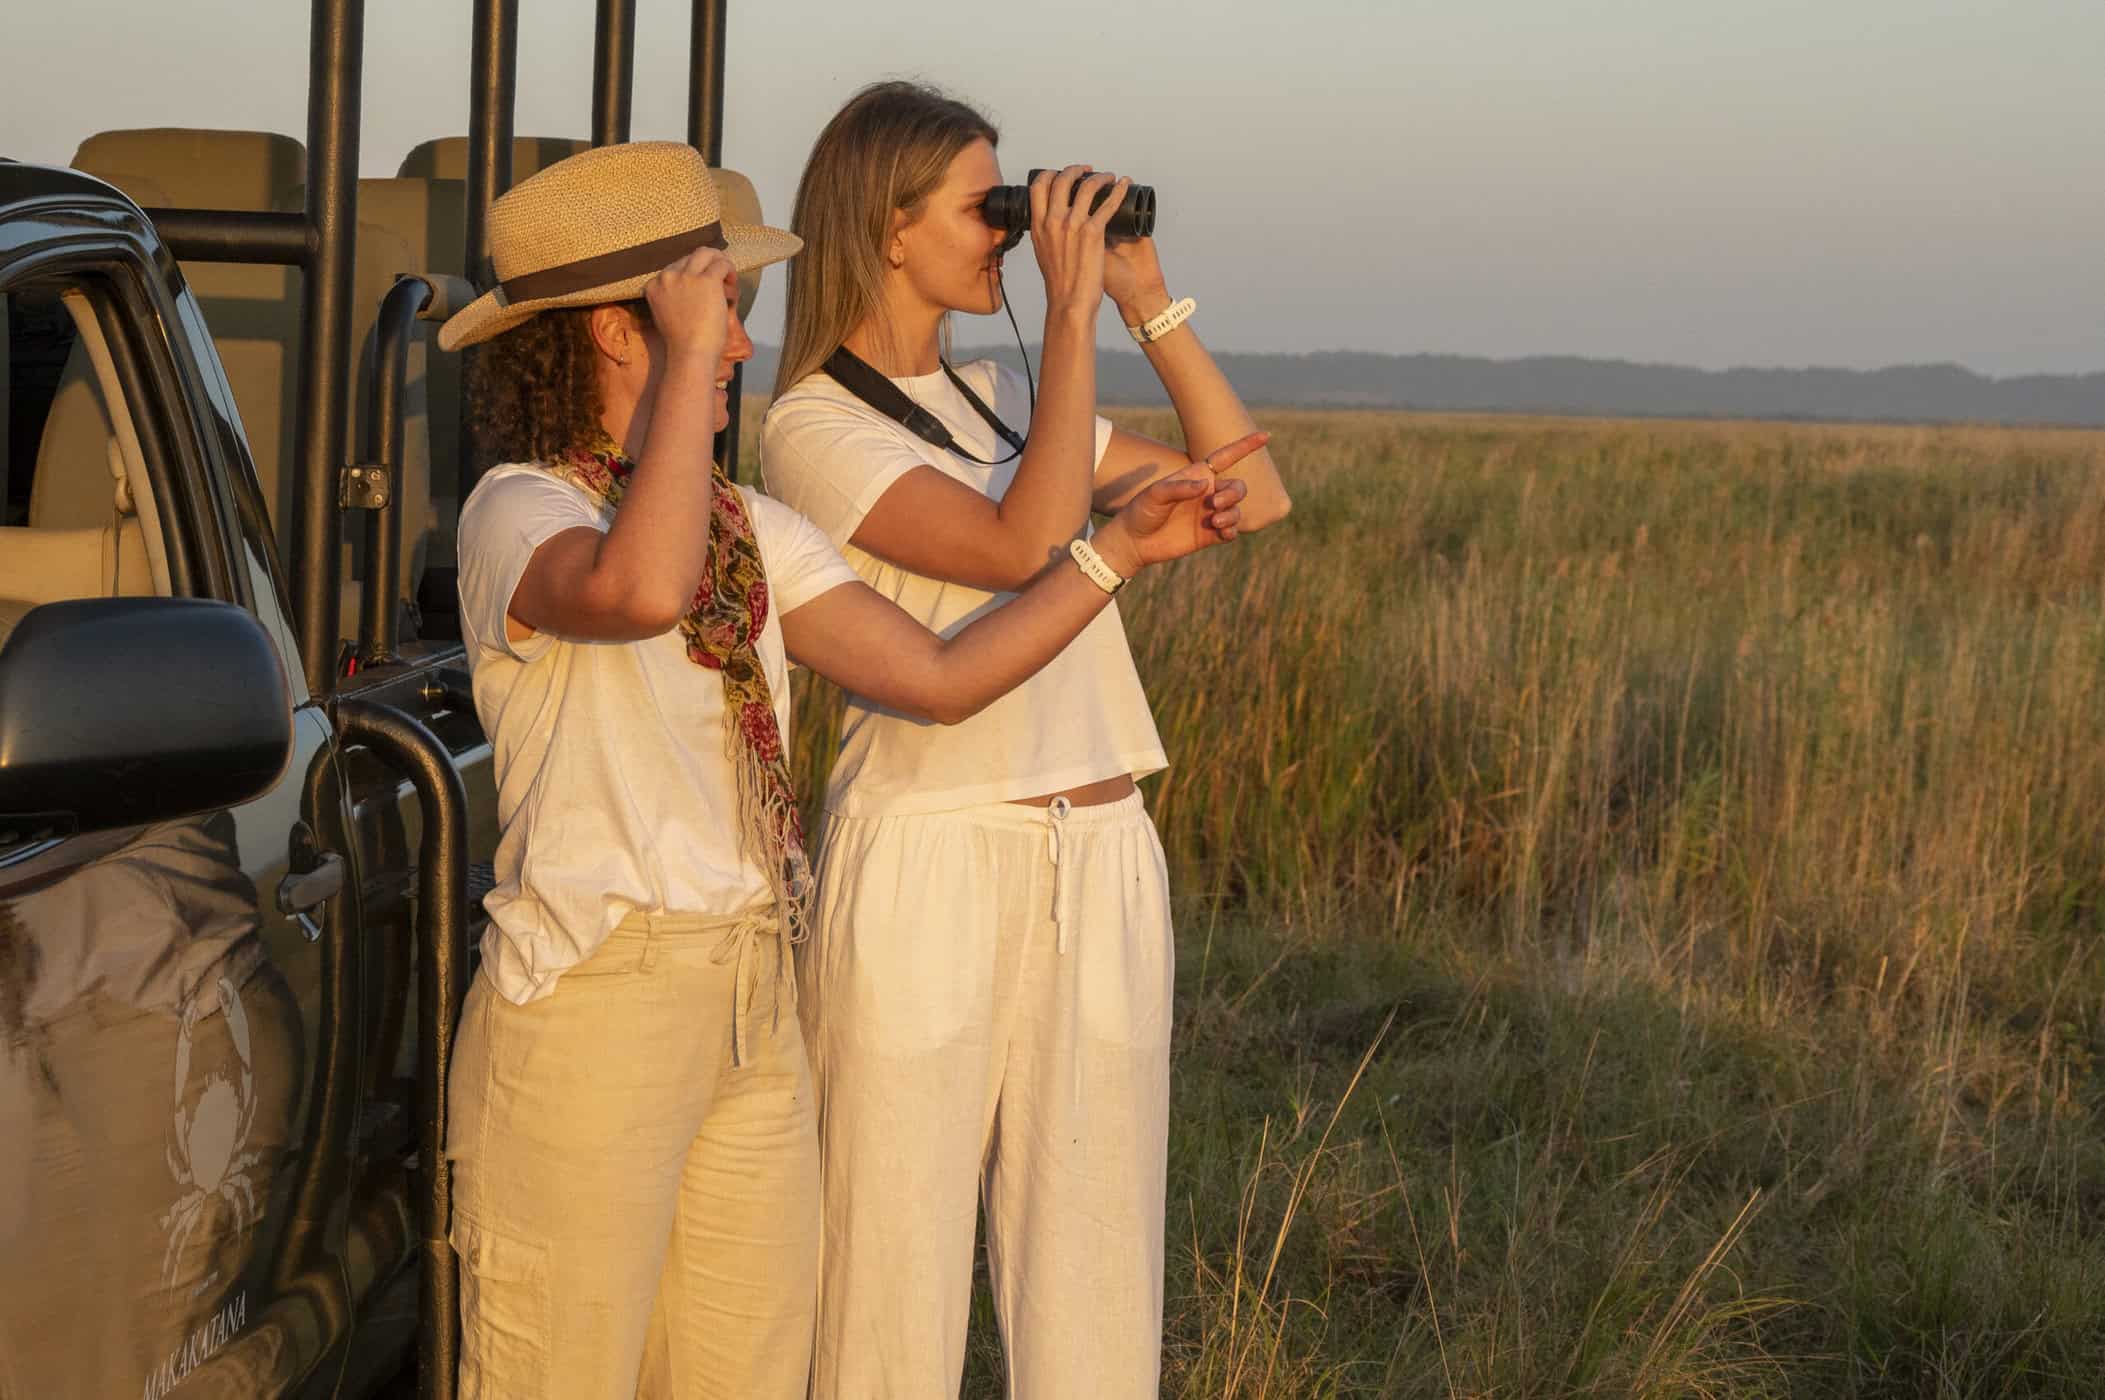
(1008, 208)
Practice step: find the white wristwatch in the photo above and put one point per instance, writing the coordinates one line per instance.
(1093, 566)
(1152, 330)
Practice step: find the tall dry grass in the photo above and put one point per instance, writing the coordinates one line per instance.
(1714, 814)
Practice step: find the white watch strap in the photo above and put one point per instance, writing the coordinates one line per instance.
(1093, 566)
(1153, 330)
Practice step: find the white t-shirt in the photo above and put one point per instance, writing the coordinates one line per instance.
(1081, 719)
(614, 792)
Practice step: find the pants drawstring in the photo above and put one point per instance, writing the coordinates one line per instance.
(1055, 824)
(1055, 814)
(741, 941)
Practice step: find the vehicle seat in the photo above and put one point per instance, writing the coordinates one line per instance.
(446, 157)
(83, 539)
(253, 310)
(204, 169)
(52, 564)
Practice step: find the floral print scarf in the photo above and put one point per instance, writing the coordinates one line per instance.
(722, 631)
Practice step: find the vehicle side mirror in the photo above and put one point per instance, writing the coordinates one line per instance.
(117, 712)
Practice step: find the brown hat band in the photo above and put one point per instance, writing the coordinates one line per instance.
(607, 268)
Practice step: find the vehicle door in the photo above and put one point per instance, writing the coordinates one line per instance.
(174, 1096)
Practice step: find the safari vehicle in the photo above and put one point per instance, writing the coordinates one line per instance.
(243, 791)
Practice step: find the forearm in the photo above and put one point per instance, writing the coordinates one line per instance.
(865, 643)
(1047, 502)
(998, 652)
(1208, 409)
(658, 546)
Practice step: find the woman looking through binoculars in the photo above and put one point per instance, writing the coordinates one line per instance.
(988, 990)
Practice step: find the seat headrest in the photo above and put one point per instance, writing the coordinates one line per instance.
(446, 157)
(431, 216)
(197, 168)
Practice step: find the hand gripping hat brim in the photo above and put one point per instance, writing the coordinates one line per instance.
(595, 227)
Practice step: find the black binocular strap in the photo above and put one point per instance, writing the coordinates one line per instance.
(856, 375)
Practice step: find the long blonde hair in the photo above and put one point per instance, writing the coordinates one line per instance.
(886, 150)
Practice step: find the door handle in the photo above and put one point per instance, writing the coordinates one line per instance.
(304, 890)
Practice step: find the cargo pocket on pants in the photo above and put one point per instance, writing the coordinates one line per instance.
(504, 1312)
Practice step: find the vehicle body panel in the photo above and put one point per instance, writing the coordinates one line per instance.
(181, 1053)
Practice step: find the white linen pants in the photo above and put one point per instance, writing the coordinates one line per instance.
(636, 1175)
(987, 998)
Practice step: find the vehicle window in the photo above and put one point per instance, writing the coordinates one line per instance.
(80, 521)
(39, 337)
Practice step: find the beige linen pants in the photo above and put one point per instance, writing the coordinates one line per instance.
(987, 997)
(636, 1174)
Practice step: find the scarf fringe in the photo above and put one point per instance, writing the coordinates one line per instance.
(768, 819)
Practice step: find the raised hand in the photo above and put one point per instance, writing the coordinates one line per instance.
(1068, 239)
(690, 303)
(1181, 514)
(1133, 280)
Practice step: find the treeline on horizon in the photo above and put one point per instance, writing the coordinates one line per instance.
(1569, 384)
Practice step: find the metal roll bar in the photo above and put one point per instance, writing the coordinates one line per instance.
(405, 745)
(493, 66)
(613, 71)
(414, 297)
(705, 132)
(245, 236)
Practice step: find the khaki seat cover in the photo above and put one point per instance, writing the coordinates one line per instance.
(63, 493)
(51, 566)
(198, 168)
(254, 311)
(446, 157)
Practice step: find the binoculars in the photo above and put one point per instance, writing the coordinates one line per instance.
(1008, 208)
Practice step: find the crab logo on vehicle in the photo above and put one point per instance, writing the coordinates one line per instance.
(209, 1133)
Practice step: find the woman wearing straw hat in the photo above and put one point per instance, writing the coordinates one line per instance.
(1013, 1045)
(631, 1123)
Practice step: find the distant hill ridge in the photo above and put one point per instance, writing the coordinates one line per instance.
(1614, 388)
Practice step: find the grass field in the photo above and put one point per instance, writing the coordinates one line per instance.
(1640, 889)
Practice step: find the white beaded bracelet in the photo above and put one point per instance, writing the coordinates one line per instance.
(1093, 566)
(1148, 332)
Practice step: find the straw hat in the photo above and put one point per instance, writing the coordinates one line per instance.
(595, 227)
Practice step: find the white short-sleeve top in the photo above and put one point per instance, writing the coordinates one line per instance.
(614, 791)
(1081, 719)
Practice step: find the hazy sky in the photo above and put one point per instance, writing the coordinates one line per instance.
(1775, 182)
